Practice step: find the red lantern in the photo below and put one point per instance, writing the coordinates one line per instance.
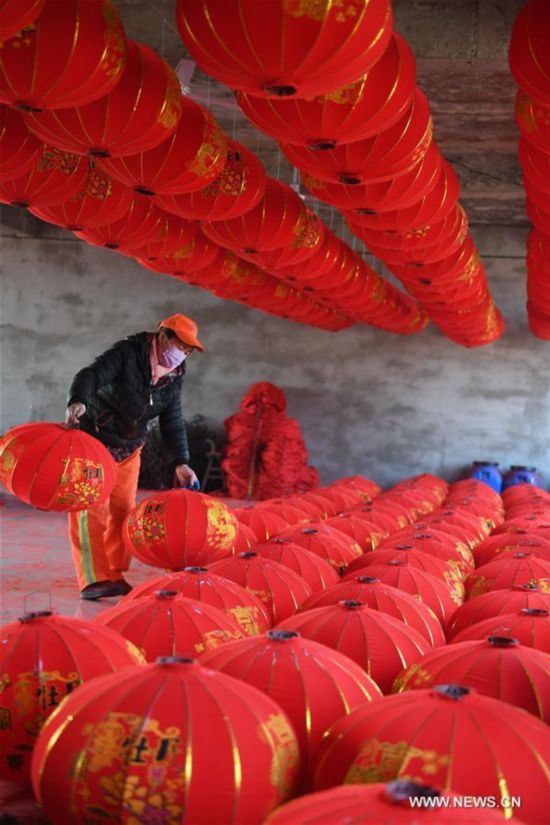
(19, 149)
(173, 234)
(414, 558)
(43, 659)
(536, 170)
(496, 666)
(324, 504)
(157, 719)
(308, 241)
(55, 468)
(361, 109)
(311, 683)
(190, 159)
(178, 528)
(237, 189)
(522, 568)
(332, 545)
(379, 804)
(141, 111)
(366, 535)
(425, 587)
(376, 641)
(101, 200)
(245, 538)
(137, 227)
(199, 584)
(530, 626)
(451, 736)
(443, 545)
(54, 177)
(533, 119)
(279, 588)
(197, 254)
(317, 572)
(288, 510)
(167, 624)
(386, 599)
(506, 544)
(497, 603)
(528, 54)
(287, 50)
(388, 154)
(74, 53)
(369, 488)
(16, 15)
(264, 523)
(274, 222)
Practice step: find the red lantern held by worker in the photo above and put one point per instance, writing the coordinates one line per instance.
(19, 148)
(178, 528)
(53, 177)
(73, 53)
(52, 467)
(285, 50)
(136, 731)
(16, 15)
(43, 658)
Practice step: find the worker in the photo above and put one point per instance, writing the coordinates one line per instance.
(137, 379)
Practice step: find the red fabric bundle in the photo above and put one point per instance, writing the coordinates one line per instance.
(265, 455)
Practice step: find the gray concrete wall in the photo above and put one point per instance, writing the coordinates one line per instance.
(368, 402)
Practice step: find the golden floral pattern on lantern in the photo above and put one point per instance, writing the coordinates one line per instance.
(320, 9)
(36, 695)
(232, 180)
(307, 232)
(213, 146)
(98, 185)
(247, 619)
(114, 56)
(22, 38)
(383, 761)
(170, 112)
(424, 144)
(53, 158)
(141, 803)
(81, 482)
(148, 523)
(221, 530)
(216, 638)
(346, 95)
(280, 737)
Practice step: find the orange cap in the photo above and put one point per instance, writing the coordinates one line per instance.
(185, 328)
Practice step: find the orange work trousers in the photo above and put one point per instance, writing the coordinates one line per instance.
(99, 553)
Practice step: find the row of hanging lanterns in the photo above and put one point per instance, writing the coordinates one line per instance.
(530, 66)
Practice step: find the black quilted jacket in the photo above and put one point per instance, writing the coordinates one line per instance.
(116, 389)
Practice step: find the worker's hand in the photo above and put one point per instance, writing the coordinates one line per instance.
(74, 412)
(185, 477)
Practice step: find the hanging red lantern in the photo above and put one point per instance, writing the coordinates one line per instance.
(167, 624)
(386, 155)
(55, 468)
(178, 528)
(199, 584)
(16, 15)
(101, 200)
(138, 226)
(75, 52)
(19, 148)
(44, 657)
(361, 109)
(196, 255)
(376, 641)
(533, 120)
(308, 241)
(521, 568)
(142, 110)
(322, 261)
(407, 553)
(190, 159)
(237, 189)
(173, 234)
(287, 50)
(263, 523)
(528, 51)
(496, 666)
(54, 177)
(380, 803)
(157, 719)
(317, 572)
(389, 600)
(451, 736)
(279, 588)
(274, 222)
(536, 170)
(334, 546)
(539, 217)
(530, 626)
(497, 603)
(313, 684)
(366, 535)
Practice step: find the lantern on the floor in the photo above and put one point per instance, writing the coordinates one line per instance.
(451, 736)
(18, 14)
(443, 543)
(53, 467)
(167, 623)
(135, 732)
(200, 584)
(264, 523)
(413, 558)
(190, 159)
(522, 567)
(138, 226)
(280, 589)
(317, 572)
(43, 658)
(141, 111)
(379, 596)
(313, 684)
(178, 528)
(376, 641)
(530, 626)
(528, 52)
(336, 547)
(289, 511)
(285, 50)
(73, 53)
(19, 148)
(497, 666)
(53, 177)
(246, 538)
(497, 603)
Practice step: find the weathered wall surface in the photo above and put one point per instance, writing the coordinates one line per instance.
(368, 402)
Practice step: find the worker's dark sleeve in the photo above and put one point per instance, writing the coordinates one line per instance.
(104, 370)
(172, 426)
